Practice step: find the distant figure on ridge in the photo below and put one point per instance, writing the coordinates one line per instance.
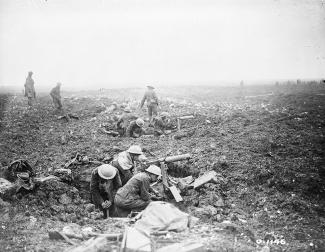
(56, 96)
(29, 89)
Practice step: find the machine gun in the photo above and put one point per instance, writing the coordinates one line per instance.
(163, 166)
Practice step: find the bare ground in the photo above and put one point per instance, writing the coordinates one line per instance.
(267, 148)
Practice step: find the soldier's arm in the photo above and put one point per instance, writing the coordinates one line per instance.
(155, 97)
(129, 130)
(117, 180)
(119, 121)
(94, 190)
(144, 190)
(143, 100)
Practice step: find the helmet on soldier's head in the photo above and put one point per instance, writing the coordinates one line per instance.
(150, 87)
(139, 122)
(127, 110)
(30, 73)
(106, 171)
(164, 114)
(142, 158)
(135, 149)
(154, 169)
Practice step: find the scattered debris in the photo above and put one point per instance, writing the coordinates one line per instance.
(179, 120)
(183, 247)
(68, 116)
(136, 240)
(205, 178)
(175, 193)
(7, 188)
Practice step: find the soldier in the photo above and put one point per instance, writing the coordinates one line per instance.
(125, 162)
(135, 128)
(55, 94)
(124, 121)
(135, 195)
(152, 102)
(105, 180)
(29, 89)
(161, 124)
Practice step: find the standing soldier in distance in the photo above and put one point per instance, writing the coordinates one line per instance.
(152, 102)
(56, 96)
(29, 89)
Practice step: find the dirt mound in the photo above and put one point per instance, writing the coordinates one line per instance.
(56, 200)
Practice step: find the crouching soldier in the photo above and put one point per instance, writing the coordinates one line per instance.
(135, 128)
(125, 162)
(136, 194)
(105, 181)
(162, 124)
(124, 121)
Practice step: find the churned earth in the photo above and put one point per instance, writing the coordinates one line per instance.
(266, 144)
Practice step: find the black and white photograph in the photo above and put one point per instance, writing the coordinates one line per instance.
(162, 125)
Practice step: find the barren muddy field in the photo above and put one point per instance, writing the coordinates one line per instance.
(266, 144)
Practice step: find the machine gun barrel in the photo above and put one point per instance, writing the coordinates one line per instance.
(170, 159)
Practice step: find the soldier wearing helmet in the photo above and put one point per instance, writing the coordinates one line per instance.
(56, 96)
(136, 194)
(105, 180)
(152, 102)
(161, 124)
(124, 121)
(125, 162)
(135, 128)
(29, 89)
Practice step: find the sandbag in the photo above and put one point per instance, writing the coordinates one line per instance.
(163, 216)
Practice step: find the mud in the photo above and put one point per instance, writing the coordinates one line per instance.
(268, 151)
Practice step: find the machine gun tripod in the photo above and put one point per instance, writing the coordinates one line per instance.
(162, 162)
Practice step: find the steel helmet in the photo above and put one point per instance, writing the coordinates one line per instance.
(127, 109)
(164, 114)
(106, 171)
(139, 122)
(142, 158)
(135, 149)
(154, 169)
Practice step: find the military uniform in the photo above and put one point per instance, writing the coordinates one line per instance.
(152, 103)
(55, 94)
(123, 122)
(133, 130)
(160, 125)
(30, 90)
(104, 189)
(124, 164)
(135, 195)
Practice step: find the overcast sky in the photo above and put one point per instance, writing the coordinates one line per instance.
(104, 43)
